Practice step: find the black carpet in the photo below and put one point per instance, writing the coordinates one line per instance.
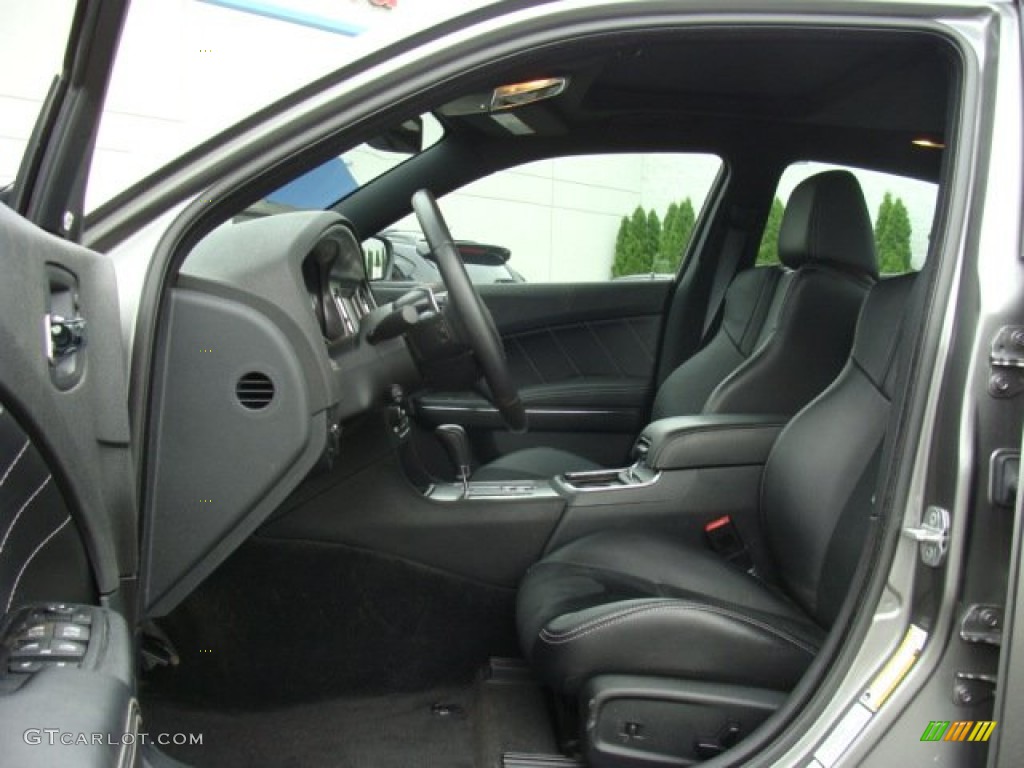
(395, 731)
(288, 622)
(450, 727)
(301, 654)
(510, 716)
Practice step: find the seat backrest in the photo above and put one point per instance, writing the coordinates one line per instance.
(786, 331)
(816, 496)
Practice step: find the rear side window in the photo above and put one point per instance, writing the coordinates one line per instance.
(586, 218)
(902, 210)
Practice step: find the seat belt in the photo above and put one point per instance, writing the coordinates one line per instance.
(732, 251)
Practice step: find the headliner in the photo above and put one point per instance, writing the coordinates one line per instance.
(841, 95)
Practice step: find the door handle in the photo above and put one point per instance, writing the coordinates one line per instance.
(64, 337)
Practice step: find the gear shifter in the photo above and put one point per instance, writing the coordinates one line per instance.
(454, 439)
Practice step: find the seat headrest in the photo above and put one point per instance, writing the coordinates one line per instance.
(827, 222)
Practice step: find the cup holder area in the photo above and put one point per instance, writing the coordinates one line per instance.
(608, 479)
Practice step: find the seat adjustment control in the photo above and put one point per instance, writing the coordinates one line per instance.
(726, 738)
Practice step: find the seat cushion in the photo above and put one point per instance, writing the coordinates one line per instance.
(533, 464)
(629, 602)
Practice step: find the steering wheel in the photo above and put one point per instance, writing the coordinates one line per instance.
(472, 320)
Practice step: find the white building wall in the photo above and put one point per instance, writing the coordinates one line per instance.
(560, 217)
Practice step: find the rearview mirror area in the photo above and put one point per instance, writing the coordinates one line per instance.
(405, 138)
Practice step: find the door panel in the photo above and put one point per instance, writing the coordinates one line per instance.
(81, 428)
(42, 555)
(67, 512)
(68, 543)
(583, 356)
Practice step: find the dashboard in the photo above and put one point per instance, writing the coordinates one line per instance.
(270, 351)
(334, 274)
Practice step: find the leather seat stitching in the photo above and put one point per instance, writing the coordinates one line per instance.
(14, 463)
(560, 638)
(22, 509)
(31, 557)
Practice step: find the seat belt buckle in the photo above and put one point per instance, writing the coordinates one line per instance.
(724, 538)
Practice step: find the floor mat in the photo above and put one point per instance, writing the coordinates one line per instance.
(431, 728)
(510, 714)
(469, 726)
(282, 623)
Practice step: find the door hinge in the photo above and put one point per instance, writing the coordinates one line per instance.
(932, 535)
(973, 688)
(1006, 360)
(982, 623)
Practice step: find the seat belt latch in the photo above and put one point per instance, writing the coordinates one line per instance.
(724, 538)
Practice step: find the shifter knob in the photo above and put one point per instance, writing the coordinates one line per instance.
(454, 439)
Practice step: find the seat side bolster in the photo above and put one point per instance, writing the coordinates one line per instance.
(662, 637)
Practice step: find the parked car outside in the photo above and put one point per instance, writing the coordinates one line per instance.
(412, 260)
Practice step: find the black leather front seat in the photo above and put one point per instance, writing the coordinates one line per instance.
(634, 603)
(785, 332)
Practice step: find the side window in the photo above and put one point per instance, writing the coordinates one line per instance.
(901, 208)
(584, 218)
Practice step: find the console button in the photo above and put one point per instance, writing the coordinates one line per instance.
(59, 608)
(36, 632)
(67, 648)
(30, 648)
(24, 666)
(65, 631)
(61, 664)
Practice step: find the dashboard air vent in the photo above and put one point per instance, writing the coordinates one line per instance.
(255, 391)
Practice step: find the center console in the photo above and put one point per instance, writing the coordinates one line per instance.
(686, 470)
(686, 467)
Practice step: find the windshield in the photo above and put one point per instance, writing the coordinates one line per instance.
(340, 176)
(188, 70)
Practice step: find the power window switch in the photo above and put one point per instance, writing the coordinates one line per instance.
(67, 648)
(59, 608)
(60, 664)
(66, 631)
(36, 632)
(31, 649)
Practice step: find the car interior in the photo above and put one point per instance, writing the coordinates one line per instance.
(531, 524)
